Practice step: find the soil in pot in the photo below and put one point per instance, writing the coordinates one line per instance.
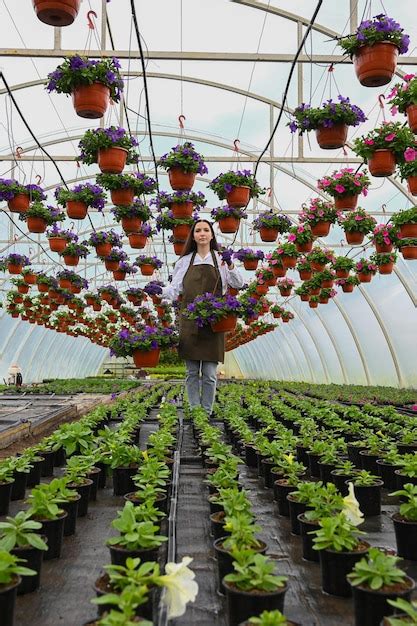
(241, 605)
(102, 586)
(335, 566)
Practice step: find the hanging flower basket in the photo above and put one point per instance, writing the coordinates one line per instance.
(148, 358)
(91, 101)
(238, 197)
(408, 248)
(229, 224)
(36, 224)
(237, 188)
(375, 65)
(268, 234)
(181, 180)
(181, 231)
(111, 265)
(347, 203)
(183, 164)
(178, 247)
(57, 12)
(19, 204)
(224, 325)
(137, 240)
(382, 163)
(112, 160)
(182, 209)
(332, 137)
(57, 244)
(131, 224)
(345, 186)
(321, 229)
(122, 197)
(71, 260)
(412, 185)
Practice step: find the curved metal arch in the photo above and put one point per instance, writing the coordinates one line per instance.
(355, 339)
(335, 345)
(304, 351)
(386, 334)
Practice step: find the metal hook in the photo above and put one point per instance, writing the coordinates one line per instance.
(181, 120)
(268, 192)
(384, 208)
(331, 67)
(345, 152)
(236, 141)
(38, 179)
(90, 21)
(71, 225)
(18, 152)
(342, 243)
(381, 99)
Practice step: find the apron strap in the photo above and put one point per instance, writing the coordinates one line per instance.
(216, 265)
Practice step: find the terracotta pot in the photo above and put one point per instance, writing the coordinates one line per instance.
(327, 284)
(268, 234)
(313, 305)
(225, 325)
(347, 288)
(304, 247)
(181, 231)
(332, 138)
(119, 275)
(315, 291)
(382, 163)
(250, 264)
(137, 240)
(321, 229)
(182, 209)
(262, 290)
(412, 185)
(229, 224)
(365, 277)
(383, 247)
(342, 273)
(305, 274)
(122, 197)
(386, 268)
(112, 160)
(289, 261)
(36, 224)
(91, 101)
(238, 197)
(57, 12)
(12, 268)
(408, 230)
(147, 270)
(19, 204)
(305, 297)
(146, 359)
(30, 278)
(317, 267)
(285, 292)
(412, 117)
(131, 224)
(409, 252)
(23, 288)
(178, 247)
(111, 266)
(180, 180)
(69, 259)
(103, 249)
(348, 203)
(375, 65)
(76, 210)
(65, 283)
(57, 244)
(354, 237)
(279, 271)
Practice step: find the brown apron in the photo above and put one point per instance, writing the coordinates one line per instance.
(200, 344)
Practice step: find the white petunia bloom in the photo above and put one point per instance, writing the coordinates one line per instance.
(180, 587)
(351, 507)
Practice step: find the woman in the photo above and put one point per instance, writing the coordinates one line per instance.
(200, 269)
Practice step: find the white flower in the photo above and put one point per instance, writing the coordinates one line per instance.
(180, 587)
(351, 507)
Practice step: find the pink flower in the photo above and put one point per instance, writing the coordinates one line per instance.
(291, 237)
(359, 266)
(338, 175)
(392, 93)
(410, 154)
(358, 218)
(390, 137)
(347, 170)
(394, 110)
(357, 183)
(325, 182)
(280, 250)
(340, 188)
(408, 77)
(300, 229)
(414, 407)
(369, 142)
(320, 213)
(365, 191)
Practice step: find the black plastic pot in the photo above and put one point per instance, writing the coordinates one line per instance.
(250, 456)
(406, 537)
(313, 464)
(267, 465)
(241, 605)
(370, 607)
(217, 522)
(281, 490)
(118, 554)
(47, 467)
(102, 586)
(259, 458)
(305, 528)
(225, 560)
(5, 495)
(60, 457)
(34, 476)
(353, 453)
(102, 477)
(122, 480)
(295, 509)
(369, 498)
(215, 507)
(19, 486)
(406, 448)
(54, 532)
(325, 471)
(302, 455)
(387, 473)
(161, 501)
(34, 558)
(83, 490)
(94, 476)
(71, 508)
(403, 480)
(335, 566)
(368, 461)
(7, 601)
(340, 481)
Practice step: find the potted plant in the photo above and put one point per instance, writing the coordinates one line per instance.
(384, 237)
(19, 197)
(180, 203)
(228, 218)
(287, 316)
(276, 310)
(319, 258)
(38, 217)
(43, 507)
(59, 237)
(114, 258)
(250, 258)
(253, 587)
(326, 294)
(124, 187)
(348, 284)
(303, 292)
(299, 501)
(405, 222)
(356, 224)
(330, 121)
(17, 537)
(285, 286)
(221, 312)
(73, 252)
(103, 241)
(382, 147)
(320, 215)
(365, 270)
(132, 215)
(405, 522)
(144, 345)
(237, 188)
(270, 224)
(408, 247)
(139, 239)
(12, 569)
(303, 267)
(288, 253)
(123, 269)
(342, 266)
(302, 236)
(183, 163)
(403, 98)
(345, 186)
(111, 148)
(148, 264)
(384, 261)
(91, 83)
(269, 618)
(15, 262)
(78, 199)
(368, 492)
(375, 579)
(374, 48)
(274, 260)
(180, 226)
(407, 167)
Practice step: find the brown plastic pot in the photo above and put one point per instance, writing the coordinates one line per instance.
(382, 163)
(180, 180)
(122, 197)
(36, 224)
(57, 244)
(268, 234)
(409, 252)
(375, 65)
(91, 101)
(76, 210)
(137, 240)
(19, 204)
(57, 12)
(321, 229)
(238, 197)
(354, 237)
(347, 203)
(229, 224)
(112, 160)
(333, 137)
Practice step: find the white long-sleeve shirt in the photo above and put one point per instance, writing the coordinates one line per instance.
(229, 278)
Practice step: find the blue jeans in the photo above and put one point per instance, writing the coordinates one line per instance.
(201, 387)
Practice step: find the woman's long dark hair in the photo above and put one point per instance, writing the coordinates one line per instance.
(191, 246)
